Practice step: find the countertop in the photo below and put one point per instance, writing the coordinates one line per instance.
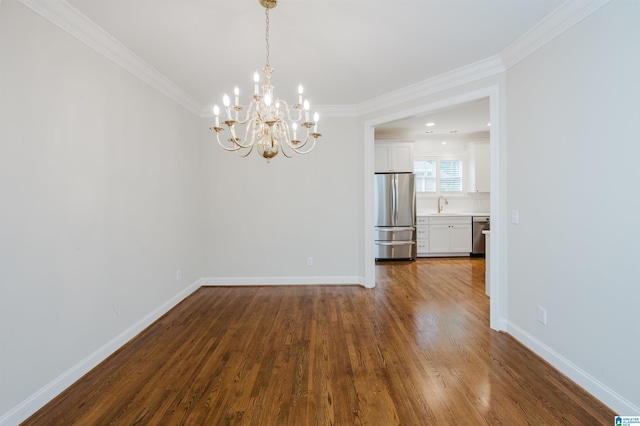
(454, 214)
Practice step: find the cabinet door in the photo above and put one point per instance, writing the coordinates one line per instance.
(480, 168)
(393, 157)
(381, 157)
(401, 158)
(460, 238)
(483, 171)
(439, 238)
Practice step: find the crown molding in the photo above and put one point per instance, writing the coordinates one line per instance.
(75, 23)
(481, 69)
(560, 20)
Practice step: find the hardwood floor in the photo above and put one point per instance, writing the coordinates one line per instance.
(416, 350)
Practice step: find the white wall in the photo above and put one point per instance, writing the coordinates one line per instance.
(100, 202)
(101, 181)
(573, 109)
(264, 220)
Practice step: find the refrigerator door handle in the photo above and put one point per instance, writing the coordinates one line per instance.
(395, 228)
(395, 243)
(395, 199)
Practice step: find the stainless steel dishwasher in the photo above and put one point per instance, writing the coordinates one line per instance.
(480, 223)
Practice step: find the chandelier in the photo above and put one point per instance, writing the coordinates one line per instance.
(268, 121)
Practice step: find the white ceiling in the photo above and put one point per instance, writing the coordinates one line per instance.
(465, 120)
(345, 52)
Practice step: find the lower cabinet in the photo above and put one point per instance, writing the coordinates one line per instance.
(443, 236)
(450, 234)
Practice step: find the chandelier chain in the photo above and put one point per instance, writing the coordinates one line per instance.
(266, 38)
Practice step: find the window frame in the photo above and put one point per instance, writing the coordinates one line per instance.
(437, 159)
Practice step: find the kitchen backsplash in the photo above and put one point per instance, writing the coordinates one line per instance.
(472, 203)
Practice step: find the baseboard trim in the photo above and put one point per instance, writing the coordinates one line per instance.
(606, 395)
(260, 281)
(39, 399)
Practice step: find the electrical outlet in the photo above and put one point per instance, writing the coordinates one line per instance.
(178, 275)
(542, 315)
(309, 261)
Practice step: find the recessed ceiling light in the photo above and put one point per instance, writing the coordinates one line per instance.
(488, 124)
(430, 124)
(444, 142)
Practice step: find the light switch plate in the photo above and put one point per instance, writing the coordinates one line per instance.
(515, 217)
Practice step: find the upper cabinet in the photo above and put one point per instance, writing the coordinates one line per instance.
(395, 157)
(479, 167)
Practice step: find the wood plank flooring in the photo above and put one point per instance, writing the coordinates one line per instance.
(416, 350)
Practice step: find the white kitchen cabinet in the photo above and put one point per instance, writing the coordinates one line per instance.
(450, 234)
(422, 235)
(393, 157)
(479, 167)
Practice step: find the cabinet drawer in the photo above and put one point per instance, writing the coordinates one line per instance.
(422, 220)
(422, 231)
(423, 246)
(449, 220)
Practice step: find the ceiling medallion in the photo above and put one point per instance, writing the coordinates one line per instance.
(269, 125)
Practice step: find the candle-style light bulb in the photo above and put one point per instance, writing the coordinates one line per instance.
(300, 90)
(256, 80)
(295, 128)
(306, 110)
(226, 102)
(316, 117)
(216, 112)
(236, 92)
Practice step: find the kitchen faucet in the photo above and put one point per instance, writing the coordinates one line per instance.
(440, 207)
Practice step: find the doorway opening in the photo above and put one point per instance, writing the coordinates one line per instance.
(496, 196)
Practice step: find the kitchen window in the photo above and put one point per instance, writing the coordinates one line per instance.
(435, 176)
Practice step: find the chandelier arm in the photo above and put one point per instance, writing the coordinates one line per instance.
(299, 145)
(249, 145)
(236, 140)
(246, 133)
(281, 133)
(247, 117)
(285, 129)
(284, 151)
(288, 113)
(234, 148)
(299, 151)
(240, 154)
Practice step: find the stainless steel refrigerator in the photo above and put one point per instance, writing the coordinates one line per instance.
(395, 216)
